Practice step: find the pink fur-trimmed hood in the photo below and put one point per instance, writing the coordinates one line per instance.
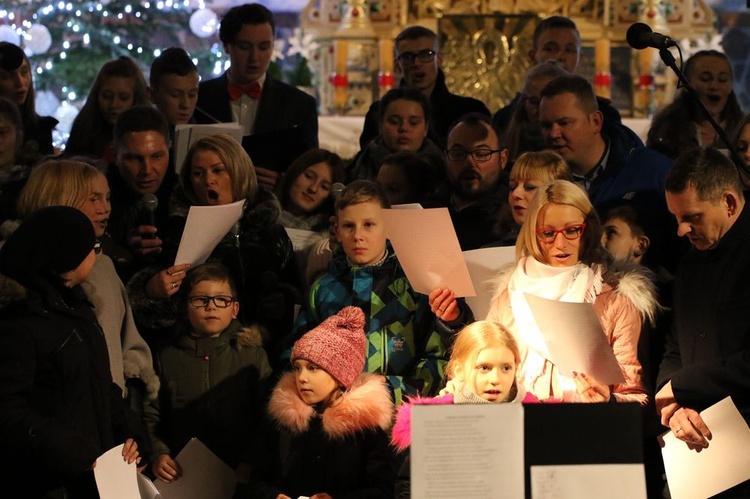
(401, 436)
(366, 405)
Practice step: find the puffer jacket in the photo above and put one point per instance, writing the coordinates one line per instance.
(626, 300)
(212, 389)
(59, 409)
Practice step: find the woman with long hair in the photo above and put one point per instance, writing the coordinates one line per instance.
(118, 86)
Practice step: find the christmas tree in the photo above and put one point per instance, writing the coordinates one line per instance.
(68, 41)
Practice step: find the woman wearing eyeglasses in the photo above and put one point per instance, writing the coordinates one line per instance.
(404, 122)
(560, 258)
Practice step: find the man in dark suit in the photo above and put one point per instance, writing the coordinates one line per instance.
(419, 58)
(277, 115)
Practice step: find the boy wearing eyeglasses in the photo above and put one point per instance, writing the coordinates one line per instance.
(211, 376)
(418, 57)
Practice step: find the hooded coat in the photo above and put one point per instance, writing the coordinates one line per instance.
(211, 389)
(343, 451)
(59, 409)
(627, 298)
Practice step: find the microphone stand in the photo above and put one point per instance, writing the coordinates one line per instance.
(669, 60)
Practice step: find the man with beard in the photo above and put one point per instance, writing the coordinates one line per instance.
(477, 185)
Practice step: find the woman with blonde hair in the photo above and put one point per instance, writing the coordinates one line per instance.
(560, 257)
(531, 171)
(81, 186)
(257, 250)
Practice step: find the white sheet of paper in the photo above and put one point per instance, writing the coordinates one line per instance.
(301, 238)
(186, 135)
(204, 476)
(115, 478)
(427, 248)
(575, 339)
(407, 206)
(147, 488)
(723, 464)
(467, 450)
(588, 481)
(483, 265)
(205, 227)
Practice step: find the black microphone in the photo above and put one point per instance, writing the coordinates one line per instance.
(641, 36)
(149, 202)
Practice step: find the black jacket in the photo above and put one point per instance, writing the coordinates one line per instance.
(281, 108)
(475, 223)
(708, 349)
(59, 409)
(445, 106)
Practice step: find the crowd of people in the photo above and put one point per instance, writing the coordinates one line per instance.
(298, 364)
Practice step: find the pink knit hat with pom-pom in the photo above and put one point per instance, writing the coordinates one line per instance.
(337, 346)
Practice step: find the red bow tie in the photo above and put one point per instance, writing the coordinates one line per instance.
(252, 90)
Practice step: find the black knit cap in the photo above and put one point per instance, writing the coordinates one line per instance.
(55, 239)
(11, 56)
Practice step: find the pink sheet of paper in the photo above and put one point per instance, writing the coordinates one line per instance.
(427, 248)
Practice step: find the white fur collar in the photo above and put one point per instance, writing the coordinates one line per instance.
(367, 404)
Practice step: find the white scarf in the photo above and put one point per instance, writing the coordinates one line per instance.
(577, 284)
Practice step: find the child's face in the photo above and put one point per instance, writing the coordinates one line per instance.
(492, 375)
(313, 383)
(618, 239)
(395, 184)
(210, 319)
(360, 229)
(115, 96)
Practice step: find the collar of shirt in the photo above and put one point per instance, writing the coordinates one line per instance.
(245, 109)
(601, 165)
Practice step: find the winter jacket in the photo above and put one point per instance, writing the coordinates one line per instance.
(129, 355)
(343, 452)
(708, 346)
(626, 300)
(258, 253)
(211, 388)
(406, 342)
(59, 409)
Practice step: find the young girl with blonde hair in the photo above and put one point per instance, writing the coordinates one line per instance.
(481, 370)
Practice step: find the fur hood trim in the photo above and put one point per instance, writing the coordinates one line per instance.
(248, 336)
(401, 435)
(633, 281)
(636, 283)
(147, 376)
(366, 405)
